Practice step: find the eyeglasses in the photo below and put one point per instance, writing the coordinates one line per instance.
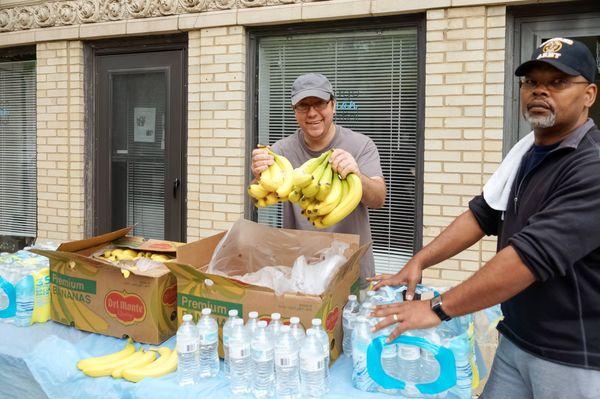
(304, 108)
(557, 84)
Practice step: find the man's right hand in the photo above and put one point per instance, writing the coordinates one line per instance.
(261, 160)
(410, 275)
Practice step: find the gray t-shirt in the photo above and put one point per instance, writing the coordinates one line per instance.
(366, 155)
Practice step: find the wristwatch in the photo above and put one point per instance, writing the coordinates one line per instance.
(436, 306)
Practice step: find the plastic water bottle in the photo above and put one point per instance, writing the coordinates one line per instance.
(25, 297)
(409, 367)
(208, 332)
(275, 325)
(188, 354)
(348, 318)
(233, 315)
(240, 361)
(430, 368)
(324, 338)
(287, 369)
(361, 338)
(312, 366)
(263, 361)
(252, 324)
(464, 374)
(297, 330)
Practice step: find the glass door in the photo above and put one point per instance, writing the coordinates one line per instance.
(139, 157)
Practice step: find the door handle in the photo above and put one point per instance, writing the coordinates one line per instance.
(176, 184)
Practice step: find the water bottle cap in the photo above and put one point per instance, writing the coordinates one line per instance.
(262, 324)
(187, 317)
(294, 320)
(285, 329)
(253, 315)
(206, 311)
(233, 312)
(352, 297)
(208, 282)
(275, 316)
(316, 322)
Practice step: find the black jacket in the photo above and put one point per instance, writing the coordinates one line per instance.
(553, 223)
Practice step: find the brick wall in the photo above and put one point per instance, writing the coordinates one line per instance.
(216, 134)
(463, 123)
(60, 140)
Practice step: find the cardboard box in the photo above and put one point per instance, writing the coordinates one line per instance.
(95, 295)
(225, 293)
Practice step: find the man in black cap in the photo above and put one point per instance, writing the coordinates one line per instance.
(546, 273)
(314, 107)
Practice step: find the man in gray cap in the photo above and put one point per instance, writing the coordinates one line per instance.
(546, 273)
(314, 107)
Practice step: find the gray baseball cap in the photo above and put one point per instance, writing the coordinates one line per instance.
(311, 85)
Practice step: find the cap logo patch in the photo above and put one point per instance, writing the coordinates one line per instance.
(550, 48)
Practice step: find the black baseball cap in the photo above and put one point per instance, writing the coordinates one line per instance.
(567, 55)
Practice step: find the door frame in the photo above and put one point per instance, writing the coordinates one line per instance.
(114, 47)
(525, 27)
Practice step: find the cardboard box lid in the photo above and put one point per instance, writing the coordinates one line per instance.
(81, 250)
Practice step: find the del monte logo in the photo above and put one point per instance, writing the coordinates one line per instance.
(126, 308)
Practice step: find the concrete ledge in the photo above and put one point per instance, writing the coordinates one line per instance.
(8, 39)
(217, 18)
(383, 7)
(270, 15)
(58, 33)
(102, 30)
(336, 10)
(153, 25)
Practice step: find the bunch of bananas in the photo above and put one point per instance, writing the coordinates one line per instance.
(324, 197)
(275, 183)
(130, 364)
(119, 254)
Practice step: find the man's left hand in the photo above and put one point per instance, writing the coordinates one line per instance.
(408, 315)
(343, 163)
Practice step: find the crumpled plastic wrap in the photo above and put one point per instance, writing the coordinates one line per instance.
(273, 258)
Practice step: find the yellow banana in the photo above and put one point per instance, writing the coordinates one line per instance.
(333, 198)
(348, 203)
(295, 196)
(166, 364)
(146, 359)
(300, 178)
(257, 191)
(111, 358)
(266, 180)
(305, 202)
(286, 187)
(325, 183)
(261, 203)
(318, 222)
(271, 199)
(313, 188)
(313, 163)
(105, 369)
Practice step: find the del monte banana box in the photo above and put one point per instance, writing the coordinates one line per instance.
(95, 295)
(197, 289)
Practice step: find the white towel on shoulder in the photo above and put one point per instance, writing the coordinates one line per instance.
(496, 191)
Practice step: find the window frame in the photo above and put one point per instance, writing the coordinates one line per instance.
(14, 54)
(417, 21)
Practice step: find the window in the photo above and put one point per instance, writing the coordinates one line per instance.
(18, 171)
(374, 75)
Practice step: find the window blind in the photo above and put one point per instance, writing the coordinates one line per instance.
(18, 170)
(374, 75)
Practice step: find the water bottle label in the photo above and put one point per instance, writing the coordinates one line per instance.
(239, 351)
(262, 355)
(187, 347)
(208, 338)
(311, 364)
(286, 360)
